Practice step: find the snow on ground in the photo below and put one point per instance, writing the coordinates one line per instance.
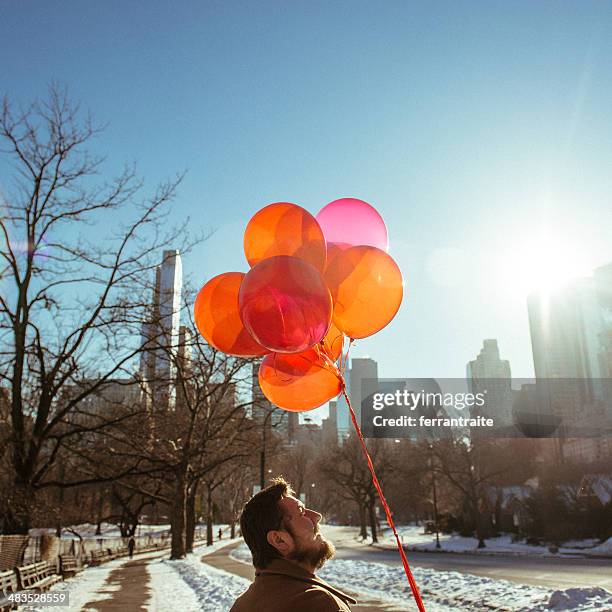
(110, 530)
(187, 585)
(168, 589)
(451, 590)
(413, 538)
(87, 586)
(107, 530)
(213, 590)
(604, 549)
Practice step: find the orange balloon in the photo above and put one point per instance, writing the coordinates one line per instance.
(367, 288)
(333, 342)
(284, 229)
(299, 381)
(217, 318)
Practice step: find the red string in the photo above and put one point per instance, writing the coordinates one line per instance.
(413, 584)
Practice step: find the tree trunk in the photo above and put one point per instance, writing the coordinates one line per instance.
(18, 510)
(100, 514)
(209, 517)
(232, 530)
(478, 525)
(191, 517)
(372, 517)
(362, 521)
(178, 517)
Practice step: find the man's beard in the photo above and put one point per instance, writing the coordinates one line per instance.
(315, 556)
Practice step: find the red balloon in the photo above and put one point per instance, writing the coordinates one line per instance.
(217, 318)
(300, 381)
(285, 304)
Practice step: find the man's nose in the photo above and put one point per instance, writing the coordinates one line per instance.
(314, 516)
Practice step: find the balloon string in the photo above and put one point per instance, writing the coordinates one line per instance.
(346, 357)
(411, 580)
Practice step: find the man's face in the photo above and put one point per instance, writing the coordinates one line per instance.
(303, 526)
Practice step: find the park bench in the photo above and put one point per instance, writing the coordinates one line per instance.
(118, 552)
(115, 553)
(100, 556)
(68, 564)
(8, 585)
(37, 576)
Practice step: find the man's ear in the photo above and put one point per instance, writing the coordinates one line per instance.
(280, 540)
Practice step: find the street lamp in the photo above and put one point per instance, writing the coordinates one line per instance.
(262, 454)
(435, 496)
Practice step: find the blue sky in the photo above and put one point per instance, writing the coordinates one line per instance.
(473, 127)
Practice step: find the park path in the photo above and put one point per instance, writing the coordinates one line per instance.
(220, 559)
(127, 587)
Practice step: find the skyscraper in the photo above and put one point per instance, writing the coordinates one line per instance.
(564, 329)
(571, 336)
(343, 419)
(161, 332)
(488, 372)
(330, 425)
(361, 369)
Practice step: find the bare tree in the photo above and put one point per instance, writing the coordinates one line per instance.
(470, 467)
(235, 490)
(346, 467)
(72, 305)
(190, 445)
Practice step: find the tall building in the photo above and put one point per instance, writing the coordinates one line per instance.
(161, 332)
(571, 336)
(363, 382)
(330, 424)
(603, 281)
(361, 369)
(343, 418)
(184, 367)
(488, 372)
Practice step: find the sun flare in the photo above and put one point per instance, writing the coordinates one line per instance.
(544, 264)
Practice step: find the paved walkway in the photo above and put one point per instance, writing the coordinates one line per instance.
(221, 560)
(127, 587)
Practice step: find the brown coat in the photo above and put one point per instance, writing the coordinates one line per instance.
(286, 587)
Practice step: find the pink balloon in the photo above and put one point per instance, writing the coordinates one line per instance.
(353, 222)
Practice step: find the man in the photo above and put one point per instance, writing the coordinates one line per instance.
(287, 549)
(131, 546)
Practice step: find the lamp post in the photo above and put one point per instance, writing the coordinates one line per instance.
(262, 455)
(435, 495)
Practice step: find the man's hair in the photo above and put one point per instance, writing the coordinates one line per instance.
(260, 515)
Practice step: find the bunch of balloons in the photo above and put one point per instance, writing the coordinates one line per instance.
(313, 282)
